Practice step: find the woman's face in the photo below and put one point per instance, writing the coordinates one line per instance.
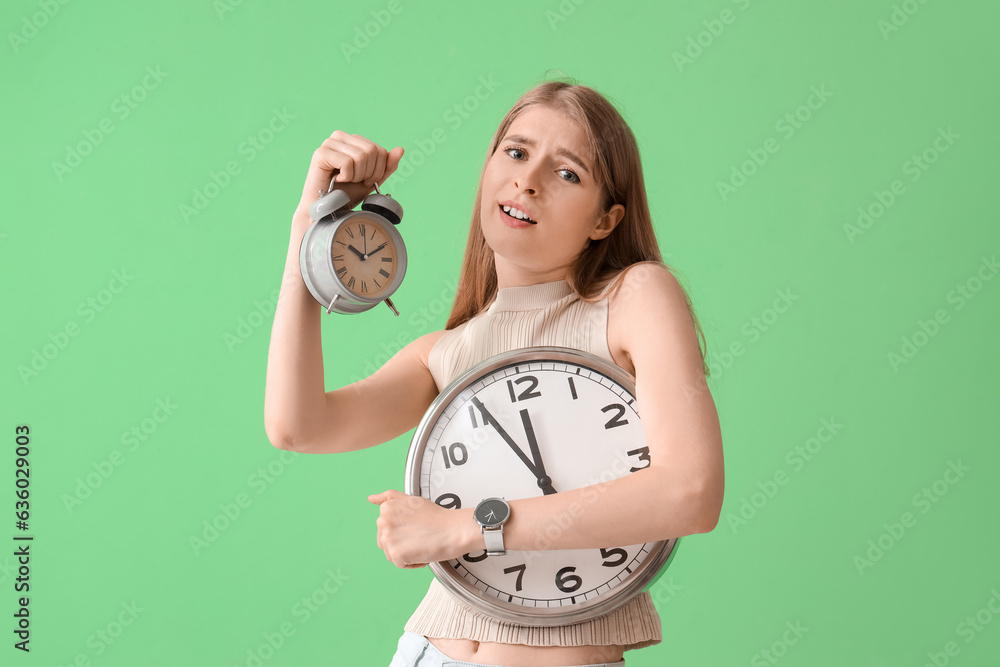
(542, 168)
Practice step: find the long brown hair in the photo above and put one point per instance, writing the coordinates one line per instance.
(615, 154)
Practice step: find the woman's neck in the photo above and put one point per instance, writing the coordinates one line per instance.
(516, 276)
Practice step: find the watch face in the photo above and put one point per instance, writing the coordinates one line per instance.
(492, 512)
(365, 256)
(543, 423)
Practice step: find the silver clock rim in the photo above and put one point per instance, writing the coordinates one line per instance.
(326, 285)
(647, 572)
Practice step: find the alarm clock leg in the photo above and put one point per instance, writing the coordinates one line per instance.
(388, 302)
(332, 301)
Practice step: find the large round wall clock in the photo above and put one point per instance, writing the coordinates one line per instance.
(525, 423)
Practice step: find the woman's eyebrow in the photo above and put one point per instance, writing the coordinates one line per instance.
(521, 139)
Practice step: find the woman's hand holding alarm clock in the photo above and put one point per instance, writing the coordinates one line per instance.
(355, 164)
(351, 260)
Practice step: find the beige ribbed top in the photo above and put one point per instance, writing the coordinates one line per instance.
(546, 314)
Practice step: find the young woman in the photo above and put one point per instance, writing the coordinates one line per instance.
(561, 251)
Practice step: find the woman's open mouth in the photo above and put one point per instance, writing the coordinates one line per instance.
(514, 217)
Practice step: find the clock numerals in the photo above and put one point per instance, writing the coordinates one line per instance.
(384, 273)
(572, 388)
(349, 232)
(361, 228)
(567, 582)
(341, 271)
(611, 553)
(616, 420)
(520, 573)
(528, 392)
(474, 559)
(449, 501)
(455, 453)
(643, 454)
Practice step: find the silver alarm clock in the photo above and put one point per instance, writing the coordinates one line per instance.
(352, 260)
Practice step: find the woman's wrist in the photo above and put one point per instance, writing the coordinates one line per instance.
(469, 536)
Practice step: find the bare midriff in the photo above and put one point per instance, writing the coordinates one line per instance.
(520, 655)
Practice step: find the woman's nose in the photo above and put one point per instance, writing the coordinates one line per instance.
(526, 180)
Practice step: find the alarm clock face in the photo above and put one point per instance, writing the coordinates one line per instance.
(532, 422)
(365, 256)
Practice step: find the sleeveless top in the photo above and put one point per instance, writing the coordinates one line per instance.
(545, 314)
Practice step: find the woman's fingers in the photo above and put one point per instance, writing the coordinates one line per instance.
(378, 168)
(392, 163)
(355, 163)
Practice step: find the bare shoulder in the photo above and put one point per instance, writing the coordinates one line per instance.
(414, 354)
(649, 309)
(421, 347)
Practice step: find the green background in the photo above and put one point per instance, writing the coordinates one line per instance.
(189, 325)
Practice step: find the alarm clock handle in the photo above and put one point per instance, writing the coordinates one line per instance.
(331, 202)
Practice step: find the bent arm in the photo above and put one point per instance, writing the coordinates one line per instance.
(680, 493)
(299, 415)
(293, 393)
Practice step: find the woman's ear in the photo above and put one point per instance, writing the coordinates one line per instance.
(607, 222)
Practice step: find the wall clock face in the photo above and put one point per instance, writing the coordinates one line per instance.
(526, 423)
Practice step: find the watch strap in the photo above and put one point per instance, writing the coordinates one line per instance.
(494, 541)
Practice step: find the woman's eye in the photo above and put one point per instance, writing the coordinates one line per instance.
(572, 177)
(515, 153)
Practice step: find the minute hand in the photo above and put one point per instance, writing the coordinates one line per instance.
(535, 469)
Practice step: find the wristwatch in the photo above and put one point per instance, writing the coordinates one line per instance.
(491, 514)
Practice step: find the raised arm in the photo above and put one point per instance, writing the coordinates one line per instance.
(299, 414)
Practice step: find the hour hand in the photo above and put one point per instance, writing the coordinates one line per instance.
(544, 481)
(358, 252)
